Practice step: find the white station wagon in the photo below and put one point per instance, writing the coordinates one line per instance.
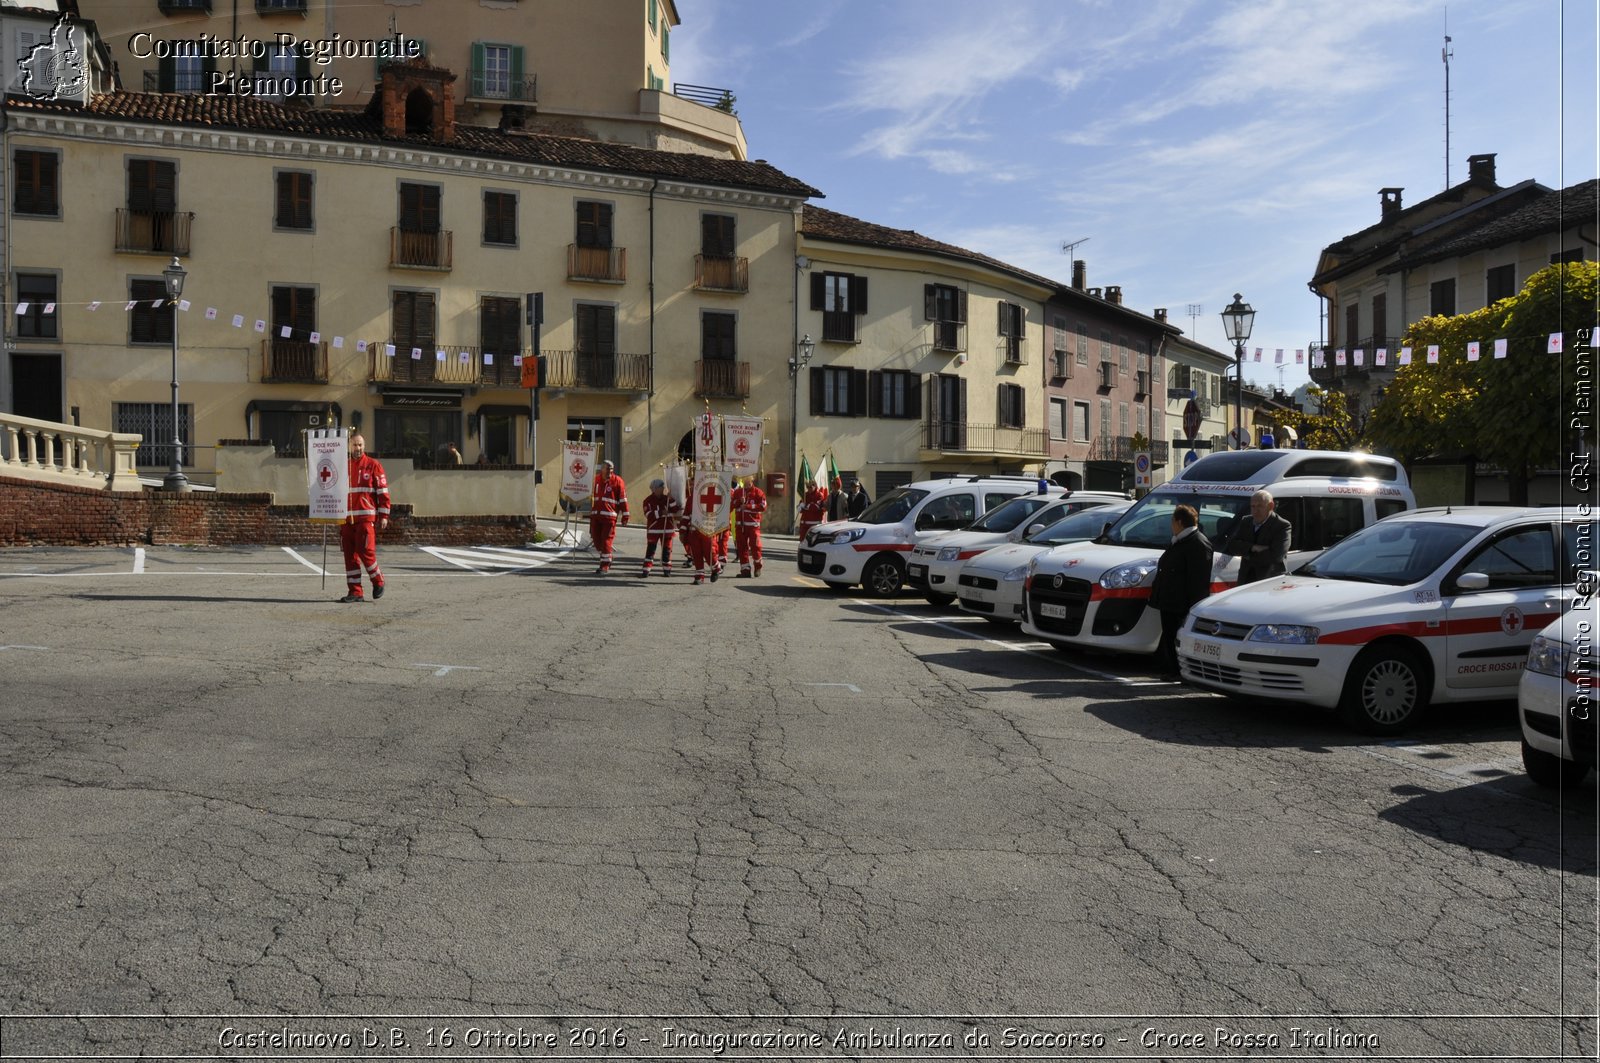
(1432, 605)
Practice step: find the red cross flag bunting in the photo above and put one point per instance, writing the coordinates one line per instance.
(744, 444)
(713, 493)
(577, 470)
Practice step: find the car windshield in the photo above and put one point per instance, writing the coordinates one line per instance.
(1007, 515)
(893, 507)
(1084, 524)
(1149, 522)
(1391, 552)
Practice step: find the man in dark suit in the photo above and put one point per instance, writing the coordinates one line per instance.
(1261, 543)
(1183, 577)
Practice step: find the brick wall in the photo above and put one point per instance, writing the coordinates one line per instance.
(33, 514)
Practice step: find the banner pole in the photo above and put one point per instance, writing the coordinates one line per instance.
(324, 557)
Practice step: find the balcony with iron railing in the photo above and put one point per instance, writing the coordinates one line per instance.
(949, 336)
(293, 362)
(498, 86)
(414, 249)
(706, 96)
(168, 7)
(578, 370)
(280, 7)
(158, 232)
(722, 378)
(722, 273)
(460, 366)
(993, 440)
(607, 265)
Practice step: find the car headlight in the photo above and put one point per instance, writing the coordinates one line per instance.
(949, 553)
(1018, 573)
(1132, 574)
(849, 536)
(1549, 656)
(1285, 634)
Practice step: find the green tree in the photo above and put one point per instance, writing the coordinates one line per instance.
(1328, 425)
(1511, 412)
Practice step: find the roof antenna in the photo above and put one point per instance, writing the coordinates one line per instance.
(1447, 54)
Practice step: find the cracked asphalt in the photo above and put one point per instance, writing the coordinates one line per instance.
(530, 791)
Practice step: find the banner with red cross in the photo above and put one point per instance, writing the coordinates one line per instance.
(711, 500)
(743, 438)
(707, 441)
(577, 469)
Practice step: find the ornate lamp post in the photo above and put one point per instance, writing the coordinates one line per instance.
(797, 361)
(174, 276)
(1236, 322)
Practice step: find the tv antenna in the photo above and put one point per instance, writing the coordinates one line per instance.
(1069, 246)
(1194, 312)
(1447, 54)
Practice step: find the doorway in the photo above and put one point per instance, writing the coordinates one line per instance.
(36, 386)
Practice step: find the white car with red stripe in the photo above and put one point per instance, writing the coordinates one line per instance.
(871, 550)
(1559, 696)
(1094, 595)
(935, 564)
(1430, 606)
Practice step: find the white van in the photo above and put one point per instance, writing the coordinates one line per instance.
(871, 550)
(1095, 594)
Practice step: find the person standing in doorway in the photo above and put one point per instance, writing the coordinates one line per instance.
(368, 513)
(608, 506)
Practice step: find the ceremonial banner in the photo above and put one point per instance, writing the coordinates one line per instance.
(328, 475)
(713, 495)
(707, 441)
(577, 470)
(743, 435)
(676, 477)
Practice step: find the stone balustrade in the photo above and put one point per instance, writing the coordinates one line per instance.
(66, 454)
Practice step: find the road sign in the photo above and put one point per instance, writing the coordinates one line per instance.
(1240, 438)
(1141, 469)
(1191, 420)
(1190, 458)
(1179, 393)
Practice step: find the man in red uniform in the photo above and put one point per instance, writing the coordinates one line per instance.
(812, 509)
(696, 544)
(369, 506)
(609, 504)
(661, 512)
(750, 505)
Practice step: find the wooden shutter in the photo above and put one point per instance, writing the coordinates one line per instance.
(516, 73)
(37, 175)
(930, 302)
(500, 325)
(858, 392)
(962, 418)
(716, 235)
(152, 185)
(858, 295)
(594, 225)
(480, 68)
(913, 396)
(961, 306)
(294, 200)
(167, 75)
(419, 208)
(874, 393)
(818, 391)
(819, 291)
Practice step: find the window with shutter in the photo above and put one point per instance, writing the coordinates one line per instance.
(36, 189)
(841, 297)
(1352, 324)
(500, 219)
(594, 225)
(500, 325)
(152, 185)
(146, 324)
(717, 235)
(36, 290)
(294, 200)
(297, 308)
(1380, 320)
(419, 208)
(596, 329)
(413, 321)
(717, 336)
(946, 306)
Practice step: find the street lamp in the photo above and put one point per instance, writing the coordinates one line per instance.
(1236, 322)
(174, 276)
(797, 361)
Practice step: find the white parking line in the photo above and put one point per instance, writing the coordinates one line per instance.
(1043, 649)
(318, 569)
(498, 561)
(138, 560)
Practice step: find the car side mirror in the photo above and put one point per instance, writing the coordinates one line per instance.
(1034, 530)
(1472, 581)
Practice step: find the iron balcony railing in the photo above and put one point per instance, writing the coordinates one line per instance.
(293, 362)
(706, 95)
(597, 263)
(721, 378)
(497, 85)
(167, 7)
(161, 232)
(949, 336)
(961, 437)
(411, 249)
(268, 7)
(578, 370)
(461, 365)
(722, 273)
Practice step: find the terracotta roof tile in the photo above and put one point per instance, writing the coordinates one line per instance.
(1575, 205)
(823, 224)
(247, 114)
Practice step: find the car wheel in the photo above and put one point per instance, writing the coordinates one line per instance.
(1548, 771)
(837, 587)
(1385, 691)
(883, 578)
(941, 600)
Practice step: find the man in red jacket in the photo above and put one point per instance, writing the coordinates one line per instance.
(661, 512)
(750, 505)
(609, 504)
(368, 511)
(812, 509)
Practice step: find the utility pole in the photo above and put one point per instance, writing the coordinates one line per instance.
(1447, 55)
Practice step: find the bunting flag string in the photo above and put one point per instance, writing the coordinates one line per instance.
(1555, 343)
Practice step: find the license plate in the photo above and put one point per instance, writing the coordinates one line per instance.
(978, 594)
(1055, 612)
(1205, 649)
(916, 571)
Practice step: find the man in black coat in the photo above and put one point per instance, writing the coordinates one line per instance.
(1183, 577)
(858, 499)
(1261, 543)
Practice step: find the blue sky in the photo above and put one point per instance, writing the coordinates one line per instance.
(1202, 146)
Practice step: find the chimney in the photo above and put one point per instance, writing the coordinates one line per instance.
(1390, 198)
(1114, 294)
(415, 99)
(1095, 292)
(1480, 169)
(1161, 315)
(1080, 273)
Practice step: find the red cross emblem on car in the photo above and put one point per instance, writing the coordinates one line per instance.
(1511, 620)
